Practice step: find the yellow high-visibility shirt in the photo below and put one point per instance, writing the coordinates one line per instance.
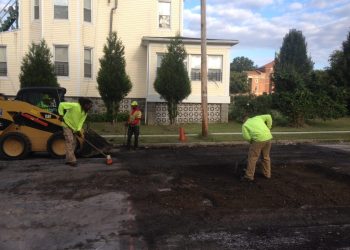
(257, 128)
(74, 117)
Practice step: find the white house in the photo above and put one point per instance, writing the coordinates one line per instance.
(76, 31)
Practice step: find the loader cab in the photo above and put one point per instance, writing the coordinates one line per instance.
(44, 97)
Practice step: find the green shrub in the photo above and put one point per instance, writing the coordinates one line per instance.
(279, 119)
(249, 105)
(122, 116)
(106, 117)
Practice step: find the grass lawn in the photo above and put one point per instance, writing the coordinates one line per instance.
(170, 134)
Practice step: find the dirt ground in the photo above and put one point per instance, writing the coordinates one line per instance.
(178, 198)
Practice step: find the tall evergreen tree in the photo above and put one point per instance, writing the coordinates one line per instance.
(292, 74)
(113, 82)
(172, 81)
(292, 65)
(37, 68)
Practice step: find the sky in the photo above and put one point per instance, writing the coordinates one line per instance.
(261, 25)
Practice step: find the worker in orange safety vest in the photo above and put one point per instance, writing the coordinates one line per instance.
(133, 125)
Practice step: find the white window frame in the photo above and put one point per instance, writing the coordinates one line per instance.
(87, 10)
(61, 63)
(88, 63)
(215, 68)
(3, 72)
(57, 4)
(214, 71)
(164, 19)
(195, 67)
(36, 9)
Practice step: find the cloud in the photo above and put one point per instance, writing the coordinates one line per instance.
(324, 24)
(295, 6)
(245, 4)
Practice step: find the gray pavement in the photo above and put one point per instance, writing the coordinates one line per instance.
(31, 219)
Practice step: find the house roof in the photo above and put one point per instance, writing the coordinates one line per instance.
(262, 69)
(188, 40)
(268, 65)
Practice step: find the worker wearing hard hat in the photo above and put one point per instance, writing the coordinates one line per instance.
(133, 124)
(256, 130)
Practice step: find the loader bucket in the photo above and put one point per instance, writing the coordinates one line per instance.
(98, 141)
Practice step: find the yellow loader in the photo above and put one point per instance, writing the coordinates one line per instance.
(25, 127)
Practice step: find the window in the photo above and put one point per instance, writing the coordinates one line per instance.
(87, 11)
(214, 64)
(3, 62)
(159, 59)
(195, 67)
(87, 63)
(215, 68)
(61, 60)
(36, 9)
(61, 9)
(164, 14)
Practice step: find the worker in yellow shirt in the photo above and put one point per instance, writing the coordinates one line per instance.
(256, 130)
(73, 117)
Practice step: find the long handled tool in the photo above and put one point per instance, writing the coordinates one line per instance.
(109, 160)
(125, 132)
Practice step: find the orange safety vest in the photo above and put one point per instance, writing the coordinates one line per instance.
(135, 117)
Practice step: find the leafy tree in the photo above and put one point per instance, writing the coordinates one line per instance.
(340, 69)
(239, 83)
(37, 68)
(240, 64)
(330, 101)
(292, 74)
(113, 82)
(300, 92)
(172, 81)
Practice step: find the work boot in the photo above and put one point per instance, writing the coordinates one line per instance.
(72, 164)
(246, 180)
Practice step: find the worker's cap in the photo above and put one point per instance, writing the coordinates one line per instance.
(46, 97)
(134, 103)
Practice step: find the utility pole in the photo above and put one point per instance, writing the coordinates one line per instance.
(204, 74)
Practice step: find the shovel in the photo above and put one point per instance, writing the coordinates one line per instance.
(109, 160)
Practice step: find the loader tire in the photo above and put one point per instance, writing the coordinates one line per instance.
(56, 145)
(14, 146)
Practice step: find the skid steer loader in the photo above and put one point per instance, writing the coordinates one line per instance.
(25, 127)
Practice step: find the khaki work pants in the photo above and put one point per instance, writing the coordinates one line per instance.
(255, 149)
(71, 143)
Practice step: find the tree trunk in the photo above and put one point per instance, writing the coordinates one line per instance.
(172, 112)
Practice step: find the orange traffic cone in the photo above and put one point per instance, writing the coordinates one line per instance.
(109, 160)
(182, 136)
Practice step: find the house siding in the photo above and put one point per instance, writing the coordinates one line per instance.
(132, 20)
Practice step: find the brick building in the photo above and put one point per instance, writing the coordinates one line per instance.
(260, 79)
